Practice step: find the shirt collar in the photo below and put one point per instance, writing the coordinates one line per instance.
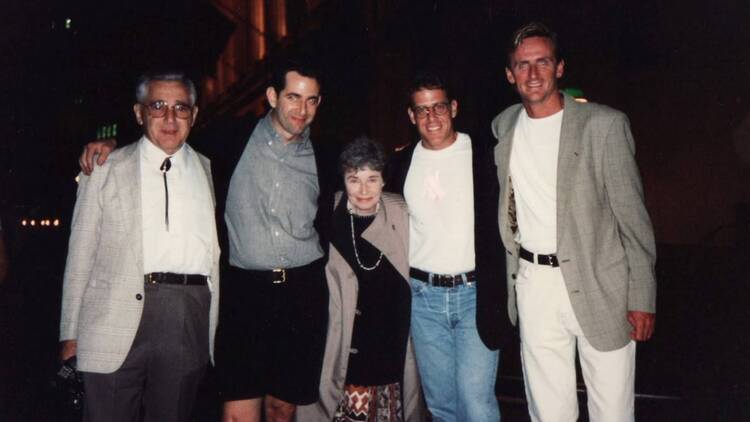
(154, 156)
(270, 132)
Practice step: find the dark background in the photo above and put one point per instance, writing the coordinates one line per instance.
(678, 69)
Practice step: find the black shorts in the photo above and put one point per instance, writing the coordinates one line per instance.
(271, 337)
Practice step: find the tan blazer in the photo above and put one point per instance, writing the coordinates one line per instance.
(390, 234)
(605, 242)
(104, 271)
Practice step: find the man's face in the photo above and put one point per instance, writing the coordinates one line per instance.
(435, 129)
(295, 106)
(534, 71)
(169, 131)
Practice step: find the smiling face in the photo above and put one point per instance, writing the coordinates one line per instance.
(435, 130)
(534, 70)
(294, 106)
(167, 132)
(363, 188)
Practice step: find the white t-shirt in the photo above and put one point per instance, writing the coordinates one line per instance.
(533, 171)
(439, 190)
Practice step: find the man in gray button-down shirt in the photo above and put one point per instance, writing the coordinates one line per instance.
(271, 332)
(272, 201)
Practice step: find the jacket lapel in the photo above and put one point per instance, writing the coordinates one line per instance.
(379, 234)
(503, 150)
(400, 168)
(567, 159)
(128, 177)
(206, 167)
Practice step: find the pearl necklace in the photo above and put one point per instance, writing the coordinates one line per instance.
(356, 254)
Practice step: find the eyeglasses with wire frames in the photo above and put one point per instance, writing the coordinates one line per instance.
(437, 109)
(159, 108)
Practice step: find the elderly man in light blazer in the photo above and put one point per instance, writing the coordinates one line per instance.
(140, 292)
(580, 245)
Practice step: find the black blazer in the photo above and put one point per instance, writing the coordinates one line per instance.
(493, 322)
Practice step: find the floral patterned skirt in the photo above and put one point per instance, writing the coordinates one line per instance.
(380, 403)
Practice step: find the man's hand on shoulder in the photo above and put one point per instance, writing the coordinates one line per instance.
(643, 324)
(67, 349)
(95, 151)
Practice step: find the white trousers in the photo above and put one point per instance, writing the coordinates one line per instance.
(549, 334)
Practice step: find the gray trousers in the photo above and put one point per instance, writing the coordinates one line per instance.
(160, 375)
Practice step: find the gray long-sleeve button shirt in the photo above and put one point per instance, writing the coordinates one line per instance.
(272, 202)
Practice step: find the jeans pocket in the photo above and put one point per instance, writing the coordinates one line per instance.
(417, 287)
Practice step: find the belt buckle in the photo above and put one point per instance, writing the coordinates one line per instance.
(151, 279)
(443, 280)
(283, 275)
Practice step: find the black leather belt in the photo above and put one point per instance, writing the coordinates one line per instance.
(443, 280)
(550, 260)
(172, 278)
(281, 275)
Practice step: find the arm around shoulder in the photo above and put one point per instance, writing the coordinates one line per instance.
(95, 152)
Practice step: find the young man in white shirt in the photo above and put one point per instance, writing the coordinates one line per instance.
(459, 318)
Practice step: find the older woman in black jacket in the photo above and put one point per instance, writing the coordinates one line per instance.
(369, 371)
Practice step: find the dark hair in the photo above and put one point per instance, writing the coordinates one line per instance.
(533, 29)
(142, 86)
(428, 79)
(360, 153)
(302, 65)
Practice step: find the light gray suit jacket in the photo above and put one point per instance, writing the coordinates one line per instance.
(605, 242)
(104, 270)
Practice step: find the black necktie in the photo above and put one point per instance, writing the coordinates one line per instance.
(165, 166)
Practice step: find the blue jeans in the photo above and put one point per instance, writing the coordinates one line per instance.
(457, 370)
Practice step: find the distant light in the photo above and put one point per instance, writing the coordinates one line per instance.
(23, 223)
(33, 223)
(78, 178)
(56, 222)
(68, 22)
(577, 94)
(573, 92)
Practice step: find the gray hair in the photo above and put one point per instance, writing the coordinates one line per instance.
(362, 153)
(141, 89)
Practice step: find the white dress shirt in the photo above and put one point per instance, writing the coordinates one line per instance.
(184, 248)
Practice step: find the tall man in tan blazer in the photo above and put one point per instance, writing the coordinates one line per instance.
(571, 208)
(140, 293)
